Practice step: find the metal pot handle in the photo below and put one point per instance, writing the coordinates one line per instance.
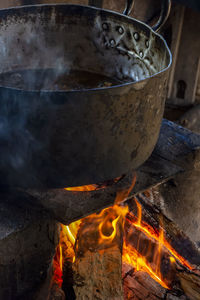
(128, 8)
(165, 11)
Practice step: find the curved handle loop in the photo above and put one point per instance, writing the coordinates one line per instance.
(165, 11)
(128, 8)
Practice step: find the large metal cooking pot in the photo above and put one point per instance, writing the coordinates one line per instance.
(66, 138)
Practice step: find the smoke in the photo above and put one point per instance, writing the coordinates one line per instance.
(16, 141)
(25, 47)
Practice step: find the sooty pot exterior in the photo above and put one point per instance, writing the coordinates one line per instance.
(71, 138)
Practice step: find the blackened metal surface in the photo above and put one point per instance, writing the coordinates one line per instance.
(70, 138)
(163, 165)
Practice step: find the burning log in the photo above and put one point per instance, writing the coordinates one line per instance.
(139, 285)
(180, 275)
(159, 261)
(98, 275)
(98, 252)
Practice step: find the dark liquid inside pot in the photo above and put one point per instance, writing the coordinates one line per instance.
(52, 80)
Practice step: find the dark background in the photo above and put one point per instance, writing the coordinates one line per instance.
(195, 4)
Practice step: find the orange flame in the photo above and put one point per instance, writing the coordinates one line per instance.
(84, 188)
(139, 263)
(107, 218)
(113, 234)
(132, 257)
(72, 231)
(150, 232)
(106, 226)
(57, 267)
(92, 187)
(117, 213)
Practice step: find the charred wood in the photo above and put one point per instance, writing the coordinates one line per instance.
(184, 283)
(139, 286)
(174, 235)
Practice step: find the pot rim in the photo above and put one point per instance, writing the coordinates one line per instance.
(100, 10)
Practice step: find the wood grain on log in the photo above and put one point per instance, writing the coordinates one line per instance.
(190, 283)
(97, 270)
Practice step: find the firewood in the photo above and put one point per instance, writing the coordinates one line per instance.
(139, 285)
(97, 268)
(185, 282)
(190, 283)
(151, 214)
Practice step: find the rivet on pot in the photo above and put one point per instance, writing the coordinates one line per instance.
(136, 36)
(112, 43)
(141, 53)
(147, 43)
(120, 29)
(105, 26)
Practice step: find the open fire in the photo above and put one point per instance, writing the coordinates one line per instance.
(144, 248)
